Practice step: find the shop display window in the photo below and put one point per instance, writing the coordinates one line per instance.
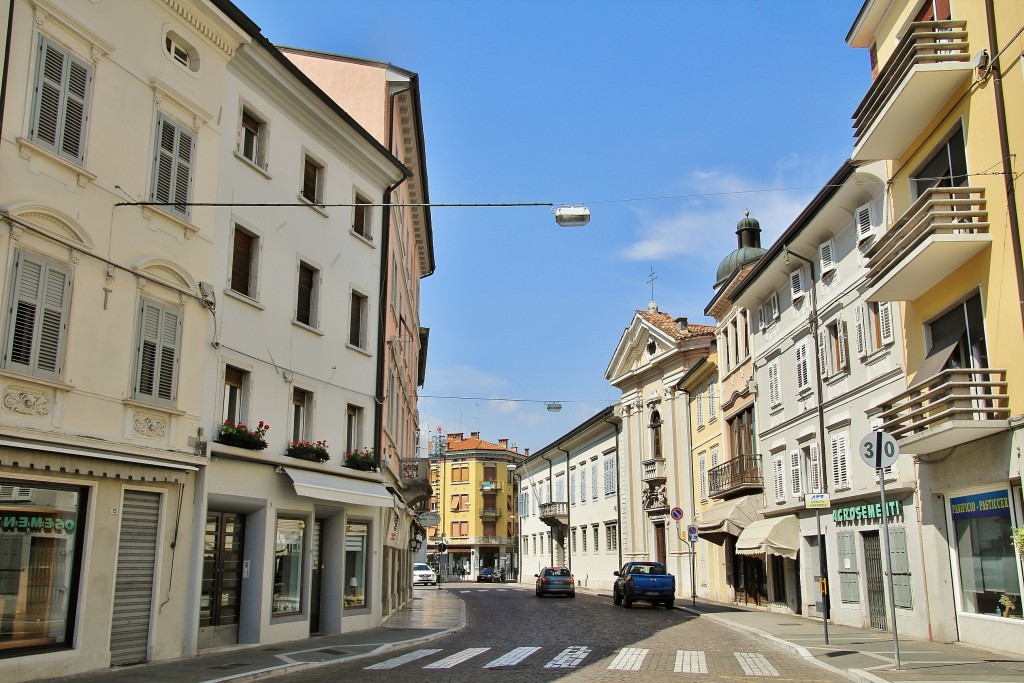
(288, 556)
(40, 535)
(356, 538)
(988, 562)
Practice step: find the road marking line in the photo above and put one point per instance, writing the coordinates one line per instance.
(629, 659)
(457, 658)
(691, 662)
(512, 658)
(399, 661)
(755, 664)
(569, 658)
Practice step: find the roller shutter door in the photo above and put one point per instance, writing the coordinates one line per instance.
(133, 590)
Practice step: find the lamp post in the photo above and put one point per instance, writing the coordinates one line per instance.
(822, 558)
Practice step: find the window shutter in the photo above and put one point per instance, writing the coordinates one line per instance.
(49, 86)
(780, 484)
(172, 173)
(304, 298)
(762, 318)
(703, 477)
(774, 395)
(796, 472)
(714, 457)
(802, 379)
(593, 479)
(796, 284)
(823, 364)
(241, 262)
(711, 401)
(825, 255)
(774, 301)
(572, 487)
(183, 171)
(899, 568)
(840, 472)
(849, 580)
(700, 410)
(885, 322)
(159, 341)
(816, 482)
(75, 109)
(39, 312)
(61, 101)
(841, 343)
(861, 331)
(865, 228)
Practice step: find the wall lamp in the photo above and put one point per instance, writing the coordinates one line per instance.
(553, 406)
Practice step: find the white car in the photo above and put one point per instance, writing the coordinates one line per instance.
(423, 574)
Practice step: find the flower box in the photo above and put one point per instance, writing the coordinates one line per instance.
(240, 436)
(315, 451)
(364, 460)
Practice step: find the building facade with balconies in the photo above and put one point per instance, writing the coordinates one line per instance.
(824, 357)
(942, 110)
(655, 474)
(577, 524)
(474, 496)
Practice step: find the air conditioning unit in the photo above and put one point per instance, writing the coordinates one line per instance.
(572, 216)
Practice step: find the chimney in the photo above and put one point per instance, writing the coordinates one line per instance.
(503, 443)
(526, 452)
(474, 435)
(682, 325)
(454, 438)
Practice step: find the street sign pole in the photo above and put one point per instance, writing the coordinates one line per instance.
(888, 557)
(823, 586)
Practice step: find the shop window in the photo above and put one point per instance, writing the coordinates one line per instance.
(356, 535)
(39, 564)
(288, 566)
(987, 561)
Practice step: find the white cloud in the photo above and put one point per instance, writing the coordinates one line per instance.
(468, 380)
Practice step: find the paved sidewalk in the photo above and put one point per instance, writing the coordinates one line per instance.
(867, 655)
(431, 614)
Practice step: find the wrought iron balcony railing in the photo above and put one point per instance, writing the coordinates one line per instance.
(739, 474)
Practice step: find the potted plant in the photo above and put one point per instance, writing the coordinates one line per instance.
(1017, 536)
(363, 459)
(308, 450)
(240, 435)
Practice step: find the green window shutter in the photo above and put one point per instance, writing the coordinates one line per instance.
(38, 317)
(158, 351)
(61, 101)
(899, 567)
(172, 166)
(849, 578)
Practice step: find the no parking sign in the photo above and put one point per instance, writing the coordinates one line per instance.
(677, 513)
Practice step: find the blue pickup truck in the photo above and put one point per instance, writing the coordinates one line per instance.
(647, 581)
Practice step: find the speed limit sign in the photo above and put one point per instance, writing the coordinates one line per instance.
(879, 449)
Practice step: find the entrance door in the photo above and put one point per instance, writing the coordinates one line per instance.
(659, 542)
(222, 579)
(317, 562)
(875, 579)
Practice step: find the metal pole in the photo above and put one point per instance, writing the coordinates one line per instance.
(888, 557)
(823, 586)
(693, 575)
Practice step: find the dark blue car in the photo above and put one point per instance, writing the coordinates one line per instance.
(486, 574)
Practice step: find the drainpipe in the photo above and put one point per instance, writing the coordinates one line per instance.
(7, 66)
(382, 313)
(1004, 149)
(568, 515)
(693, 495)
(618, 491)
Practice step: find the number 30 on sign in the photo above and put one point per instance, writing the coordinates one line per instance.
(879, 449)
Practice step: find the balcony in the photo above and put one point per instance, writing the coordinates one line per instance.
(554, 514)
(742, 474)
(653, 470)
(930, 64)
(940, 232)
(951, 408)
(488, 485)
(490, 513)
(414, 476)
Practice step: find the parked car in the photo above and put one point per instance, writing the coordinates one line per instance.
(423, 574)
(555, 581)
(486, 574)
(647, 581)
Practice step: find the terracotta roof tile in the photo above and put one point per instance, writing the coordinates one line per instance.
(473, 444)
(668, 325)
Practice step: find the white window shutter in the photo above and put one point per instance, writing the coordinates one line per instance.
(885, 322)
(825, 255)
(39, 314)
(796, 284)
(703, 478)
(865, 227)
(714, 457)
(48, 90)
(840, 466)
(774, 396)
(774, 301)
(711, 401)
(823, 364)
(815, 469)
(172, 172)
(700, 409)
(60, 107)
(762, 321)
(862, 347)
(796, 472)
(802, 376)
(841, 343)
(780, 482)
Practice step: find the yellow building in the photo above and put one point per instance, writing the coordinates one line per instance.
(474, 496)
(944, 109)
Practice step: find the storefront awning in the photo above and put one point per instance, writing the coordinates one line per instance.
(728, 518)
(775, 536)
(339, 489)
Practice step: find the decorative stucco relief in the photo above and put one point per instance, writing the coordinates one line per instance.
(24, 401)
(150, 426)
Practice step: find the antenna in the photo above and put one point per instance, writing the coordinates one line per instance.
(650, 281)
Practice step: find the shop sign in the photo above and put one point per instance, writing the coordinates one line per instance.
(36, 523)
(867, 512)
(988, 504)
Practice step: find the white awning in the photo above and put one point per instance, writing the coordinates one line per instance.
(775, 536)
(339, 489)
(728, 518)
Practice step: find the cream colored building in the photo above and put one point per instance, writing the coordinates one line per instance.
(655, 474)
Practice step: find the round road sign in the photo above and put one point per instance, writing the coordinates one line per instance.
(677, 513)
(879, 449)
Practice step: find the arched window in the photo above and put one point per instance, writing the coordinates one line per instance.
(656, 434)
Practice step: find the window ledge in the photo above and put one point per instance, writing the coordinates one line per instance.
(319, 208)
(153, 406)
(804, 393)
(26, 148)
(254, 166)
(60, 386)
(874, 356)
(359, 349)
(149, 211)
(307, 328)
(238, 296)
(368, 241)
(836, 377)
(777, 408)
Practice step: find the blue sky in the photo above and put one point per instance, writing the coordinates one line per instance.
(667, 119)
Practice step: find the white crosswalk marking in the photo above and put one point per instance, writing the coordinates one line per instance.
(457, 658)
(569, 658)
(404, 659)
(755, 664)
(691, 662)
(512, 658)
(629, 659)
